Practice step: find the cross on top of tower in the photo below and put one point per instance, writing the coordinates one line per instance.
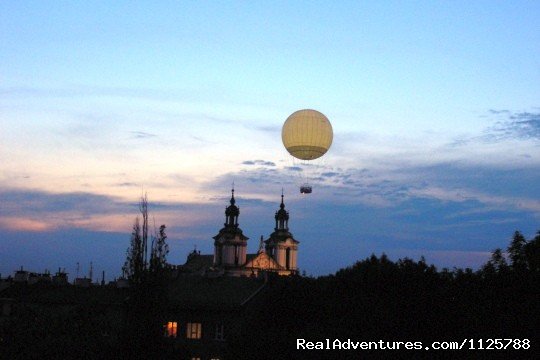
(232, 211)
(282, 216)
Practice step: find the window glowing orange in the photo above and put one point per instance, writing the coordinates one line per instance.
(171, 329)
(193, 330)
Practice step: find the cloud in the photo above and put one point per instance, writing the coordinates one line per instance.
(39, 202)
(35, 210)
(496, 112)
(525, 124)
(127, 184)
(142, 135)
(12, 223)
(253, 183)
(510, 141)
(258, 162)
(409, 212)
(294, 168)
(509, 190)
(268, 128)
(38, 211)
(512, 125)
(484, 187)
(507, 203)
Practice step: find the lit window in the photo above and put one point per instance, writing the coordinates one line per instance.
(193, 330)
(171, 329)
(220, 332)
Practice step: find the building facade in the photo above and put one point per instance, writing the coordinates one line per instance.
(277, 254)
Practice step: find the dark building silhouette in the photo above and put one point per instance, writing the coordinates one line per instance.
(278, 254)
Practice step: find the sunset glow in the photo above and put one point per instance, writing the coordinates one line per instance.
(434, 110)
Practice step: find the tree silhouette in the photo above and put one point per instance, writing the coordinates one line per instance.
(139, 266)
(377, 298)
(532, 253)
(516, 252)
(134, 265)
(145, 268)
(159, 251)
(496, 264)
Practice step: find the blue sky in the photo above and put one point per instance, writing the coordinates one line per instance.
(434, 107)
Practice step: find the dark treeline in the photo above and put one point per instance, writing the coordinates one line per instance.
(374, 299)
(141, 336)
(378, 299)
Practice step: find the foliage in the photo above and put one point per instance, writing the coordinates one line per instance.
(406, 300)
(496, 264)
(138, 267)
(159, 251)
(145, 267)
(134, 265)
(516, 252)
(376, 298)
(532, 253)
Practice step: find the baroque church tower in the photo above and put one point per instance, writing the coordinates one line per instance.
(281, 246)
(276, 255)
(230, 243)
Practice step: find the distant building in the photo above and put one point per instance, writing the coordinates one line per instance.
(121, 283)
(24, 276)
(202, 319)
(277, 254)
(61, 277)
(21, 276)
(83, 282)
(206, 314)
(34, 278)
(208, 298)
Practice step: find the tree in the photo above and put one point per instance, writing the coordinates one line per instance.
(532, 253)
(496, 265)
(144, 266)
(516, 252)
(138, 266)
(159, 251)
(133, 267)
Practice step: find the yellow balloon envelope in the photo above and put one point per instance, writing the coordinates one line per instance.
(307, 134)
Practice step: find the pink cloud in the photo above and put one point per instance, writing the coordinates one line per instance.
(462, 195)
(25, 224)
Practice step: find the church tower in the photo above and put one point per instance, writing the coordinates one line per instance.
(230, 243)
(281, 246)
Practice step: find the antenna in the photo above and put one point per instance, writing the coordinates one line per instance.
(261, 244)
(91, 272)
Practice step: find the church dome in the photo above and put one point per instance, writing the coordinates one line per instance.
(282, 214)
(232, 210)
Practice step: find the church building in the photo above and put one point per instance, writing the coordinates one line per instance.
(277, 254)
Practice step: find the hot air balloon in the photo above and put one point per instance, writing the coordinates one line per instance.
(307, 135)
